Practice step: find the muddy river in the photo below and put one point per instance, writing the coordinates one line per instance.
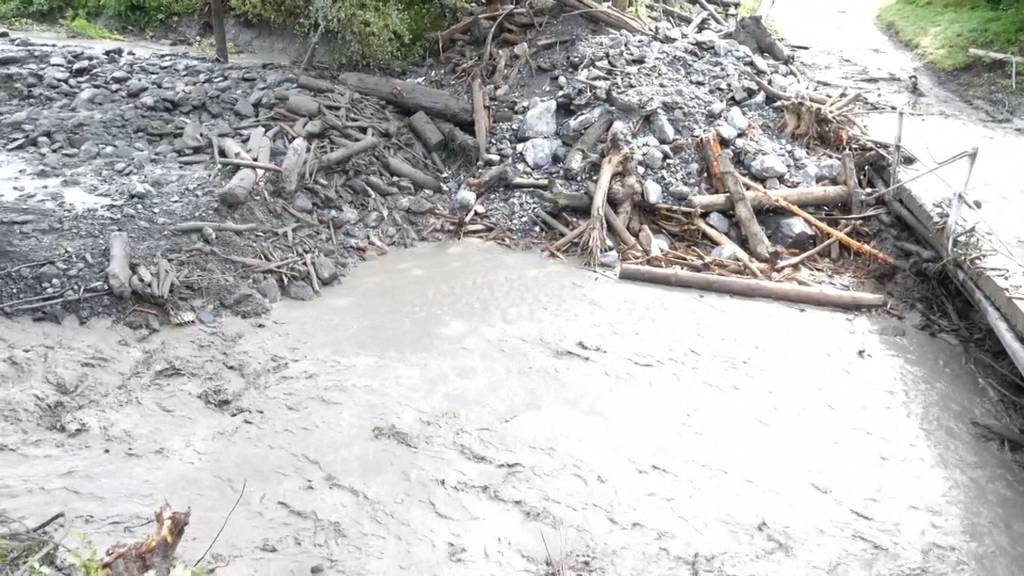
(461, 409)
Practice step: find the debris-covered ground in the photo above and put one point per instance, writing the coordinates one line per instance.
(238, 185)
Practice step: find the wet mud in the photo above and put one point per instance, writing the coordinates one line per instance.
(460, 409)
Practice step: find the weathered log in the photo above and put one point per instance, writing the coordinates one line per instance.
(218, 226)
(342, 154)
(248, 164)
(818, 196)
(757, 240)
(233, 150)
(480, 120)
(588, 141)
(119, 272)
(294, 166)
(426, 131)
(850, 179)
(608, 16)
(315, 84)
(302, 105)
(816, 296)
(411, 96)
(237, 190)
(843, 238)
(609, 167)
(724, 241)
(378, 186)
(458, 141)
(220, 38)
(402, 169)
(710, 11)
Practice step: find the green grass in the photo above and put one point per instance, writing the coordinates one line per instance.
(83, 27)
(749, 7)
(941, 31)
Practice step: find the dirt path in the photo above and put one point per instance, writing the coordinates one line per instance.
(453, 408)
(940, 125)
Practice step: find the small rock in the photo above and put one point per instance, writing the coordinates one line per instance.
(119, 77)
(679, 191)
(420, 205)
(790, 232)
(662, 128)
(768, 166)
(609, 259)
(244, 109)
(302, 203)
(540, 121)
(206, 318)
(81, 67)
(539, 152)
(326, 271)
(136, 87)
(654, 159)
(465, 199)
(247, 303)
(830, 170)
(759, 64)
(717, 108)
(269, 289)
(299, 290)
(208, 235)
(772, 184)
(807, 176)
(725, 253)
(737, 120)
(719, 222)
(316, 569)
(48, 274)
(652, 192)
(726, 132)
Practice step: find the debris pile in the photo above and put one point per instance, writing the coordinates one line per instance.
(684, 143)
(688, 144)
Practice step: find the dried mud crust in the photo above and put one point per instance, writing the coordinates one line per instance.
(987, 86)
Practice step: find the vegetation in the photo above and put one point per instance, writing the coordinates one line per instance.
(941, 31)
(361, 33)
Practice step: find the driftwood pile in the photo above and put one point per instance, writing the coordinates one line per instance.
(614, 221)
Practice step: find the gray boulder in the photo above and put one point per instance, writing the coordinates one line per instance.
(790, 232)
(768, 166)
(540, 121)
(299, 290)
(538, 152)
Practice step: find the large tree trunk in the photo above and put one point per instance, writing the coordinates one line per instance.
(411, 96)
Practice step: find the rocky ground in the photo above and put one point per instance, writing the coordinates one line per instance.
(114, 140)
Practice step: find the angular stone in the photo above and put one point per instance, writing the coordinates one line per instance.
(830, 170)
(735, 118)
(538, 152)
(136, 87)
(540, 121)
(246, 303)
(652, 192)
(654, 159)
(326, 271)
(768, 166)
(719, 222)
(244, 109)
(299, 290)
(662, 128)
(269, 289)
(790, 232)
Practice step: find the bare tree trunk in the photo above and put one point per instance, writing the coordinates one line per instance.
(219, 35)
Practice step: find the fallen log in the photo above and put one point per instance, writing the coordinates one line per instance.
(401, 169)
(249, 164)
(712, 151)
(757, 240)
(315, 84)
(119, 272)
(342, 154)
(607, 15)
(480, 119)
(818, 196)
(411, 96)
(752, 32)
(185, 227)
(294, 165)
(426, 131)
(458, 141)
(302, 105)
(237, 190)
(846, 240)
(816, 296)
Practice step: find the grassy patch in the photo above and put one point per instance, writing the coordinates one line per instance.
(83, 27)
(749, 7)
(941, 31)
